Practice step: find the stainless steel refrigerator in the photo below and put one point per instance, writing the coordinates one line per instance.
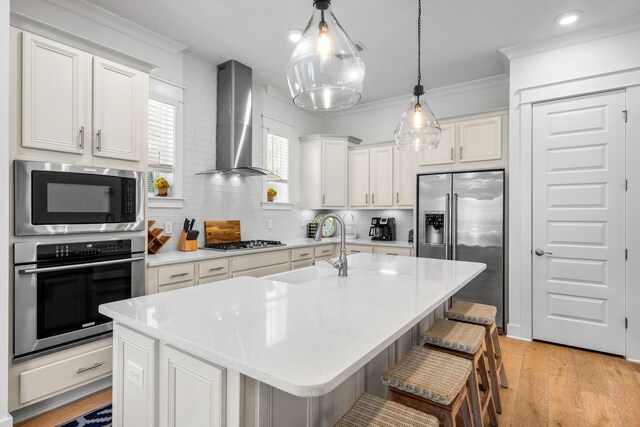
(461, 217)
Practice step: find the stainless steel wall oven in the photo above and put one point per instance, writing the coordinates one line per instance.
(54, 198)
(59, 286)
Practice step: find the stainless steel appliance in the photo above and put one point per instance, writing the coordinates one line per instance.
(243, 245)
(461, 217)
(383, 228)
(54, 198)
(59, 286)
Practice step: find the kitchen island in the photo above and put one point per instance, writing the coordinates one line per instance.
(296, 348)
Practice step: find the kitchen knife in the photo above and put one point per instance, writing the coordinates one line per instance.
(185, 227)
(193, 221)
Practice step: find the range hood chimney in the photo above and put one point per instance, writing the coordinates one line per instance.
(234, 130)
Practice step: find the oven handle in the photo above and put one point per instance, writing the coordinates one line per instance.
(74, 266)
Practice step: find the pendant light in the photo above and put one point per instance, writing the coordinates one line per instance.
(325, 71)
(418, 128)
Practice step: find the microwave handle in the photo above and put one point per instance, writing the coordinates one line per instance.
(74, 266)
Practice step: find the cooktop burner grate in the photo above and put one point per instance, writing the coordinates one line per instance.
(244, 245)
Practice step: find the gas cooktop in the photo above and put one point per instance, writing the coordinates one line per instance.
(243, 245)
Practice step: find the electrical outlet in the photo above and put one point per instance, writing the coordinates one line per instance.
(168, 228)
(135, 374)
(269, 224)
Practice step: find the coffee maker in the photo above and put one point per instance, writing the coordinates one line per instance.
(383, 228)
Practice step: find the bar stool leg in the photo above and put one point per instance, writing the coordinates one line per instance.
(488, 398)
(476, 405)
(493, 368)
(499, 361)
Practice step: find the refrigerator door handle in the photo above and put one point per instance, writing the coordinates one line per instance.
(454, 226)
(447, 230)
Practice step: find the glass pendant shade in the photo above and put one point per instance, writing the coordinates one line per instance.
(325, 71)
(418, 128)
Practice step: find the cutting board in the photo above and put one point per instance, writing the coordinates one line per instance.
(222, 231)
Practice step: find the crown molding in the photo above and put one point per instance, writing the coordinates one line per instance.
(109, 19)
(43, 29)
(625, 25)
(441, 92)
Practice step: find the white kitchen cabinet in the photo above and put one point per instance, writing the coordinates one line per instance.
(359, 249)
(55, 95)
(119, 110)
(445, 153)
(192, 391)
(390, 250)
(323, 160)
(480, 139)
(296, 265)
(472, 140)
(74, 102)
(134, 378)
(404, 180)
(358, 178)
(381, 176)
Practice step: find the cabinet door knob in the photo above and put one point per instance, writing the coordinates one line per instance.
(373, 199)
(460, 152)
(366, 198)
(397, 197)
(452, 153)
(323, 198)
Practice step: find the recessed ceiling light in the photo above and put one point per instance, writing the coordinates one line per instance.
(294, 35)
(569, 18)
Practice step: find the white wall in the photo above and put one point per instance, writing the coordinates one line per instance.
(215, 197)
(608, 63)
(5, 419)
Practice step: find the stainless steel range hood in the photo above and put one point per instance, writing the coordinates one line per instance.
(234, 130)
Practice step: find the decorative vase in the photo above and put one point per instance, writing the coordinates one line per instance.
(271, 197)
(162, 191)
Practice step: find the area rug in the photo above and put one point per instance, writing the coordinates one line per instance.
(97, 418)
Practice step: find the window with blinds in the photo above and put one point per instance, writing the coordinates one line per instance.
(278, 157)
(162, 141)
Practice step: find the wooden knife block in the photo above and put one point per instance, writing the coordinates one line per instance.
(187, 245)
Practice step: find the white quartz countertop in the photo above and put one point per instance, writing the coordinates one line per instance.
(304, 331)
(175, 256)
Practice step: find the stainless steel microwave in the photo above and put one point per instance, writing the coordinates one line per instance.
(54, 198)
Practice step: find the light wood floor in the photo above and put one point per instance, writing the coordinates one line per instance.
(69, 412)
(549, 385)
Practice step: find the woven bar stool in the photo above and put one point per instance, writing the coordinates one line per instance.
(373, 411)
(466, 340)
(432, 382)
(485, 315)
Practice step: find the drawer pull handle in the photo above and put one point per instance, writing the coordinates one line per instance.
(304, 254)
(390, 253)
(179, 275)
(94, 366)
(326, 251)
(216, 269)
(355, 252)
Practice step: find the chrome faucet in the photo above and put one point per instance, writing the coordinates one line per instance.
(341, 264)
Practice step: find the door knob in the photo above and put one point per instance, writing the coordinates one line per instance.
(540, 252)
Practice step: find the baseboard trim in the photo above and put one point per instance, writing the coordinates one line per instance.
(47, 405)
(633, 360)
(7, 421)
(517, 332)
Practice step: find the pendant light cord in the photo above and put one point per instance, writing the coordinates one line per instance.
(419, 40)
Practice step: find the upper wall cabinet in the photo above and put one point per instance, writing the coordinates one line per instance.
(381, 177)
(323, 166)
(55, 95)
(119, 110)
(480, 139)
(73, 101)
(467, 141)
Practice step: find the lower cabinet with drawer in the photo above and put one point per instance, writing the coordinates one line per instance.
(388, 250)
(213, 270)
(359, 249)
(262, 271)
(296, 265)
(324, 251)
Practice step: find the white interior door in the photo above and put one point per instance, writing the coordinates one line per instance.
(579, 222)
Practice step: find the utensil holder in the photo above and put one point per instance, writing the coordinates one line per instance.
(187, 245)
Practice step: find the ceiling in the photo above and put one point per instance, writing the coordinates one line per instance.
(461, 38)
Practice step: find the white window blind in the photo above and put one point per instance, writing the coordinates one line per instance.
(162, 136)
(278, 156)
